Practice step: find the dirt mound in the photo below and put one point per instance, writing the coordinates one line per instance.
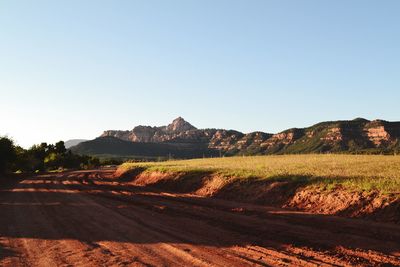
(283, 193)
(350, 204)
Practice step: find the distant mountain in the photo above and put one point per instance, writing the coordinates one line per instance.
(355, 136)
(73, 142)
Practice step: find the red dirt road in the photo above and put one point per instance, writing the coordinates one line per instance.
(90, 219)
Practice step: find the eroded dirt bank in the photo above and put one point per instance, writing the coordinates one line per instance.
(93, 219)
(282, 193)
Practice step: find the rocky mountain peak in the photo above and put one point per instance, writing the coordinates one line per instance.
(180, 125)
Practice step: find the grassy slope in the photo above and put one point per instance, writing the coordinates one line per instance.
(353, 172)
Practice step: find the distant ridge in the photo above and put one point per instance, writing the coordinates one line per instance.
(73, 142)
(345, 136)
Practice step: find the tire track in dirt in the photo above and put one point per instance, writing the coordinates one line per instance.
(272, 231)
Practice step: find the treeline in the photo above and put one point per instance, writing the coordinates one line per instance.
(42, 157)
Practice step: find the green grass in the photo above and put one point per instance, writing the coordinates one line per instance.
(353, 172)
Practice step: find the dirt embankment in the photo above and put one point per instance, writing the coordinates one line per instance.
(284, 193)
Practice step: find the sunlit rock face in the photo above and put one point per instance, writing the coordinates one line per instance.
(378, 135)
(383, 133)
(180, 125)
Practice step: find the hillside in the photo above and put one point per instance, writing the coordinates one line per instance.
(73, 142)
(112, 146)
(354, 136)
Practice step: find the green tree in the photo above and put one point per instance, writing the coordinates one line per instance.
(36, 155)
(7, 153)
(60, 147)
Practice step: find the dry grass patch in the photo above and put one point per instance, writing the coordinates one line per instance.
(352, 172)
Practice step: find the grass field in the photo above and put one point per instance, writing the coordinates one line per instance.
(352, 172)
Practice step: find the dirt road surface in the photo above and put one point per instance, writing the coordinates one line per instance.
(88, 218)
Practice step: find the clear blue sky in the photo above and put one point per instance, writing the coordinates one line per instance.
(71, 69)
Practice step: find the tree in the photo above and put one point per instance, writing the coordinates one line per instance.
(60, 147)
(7, 153)
(36, 155)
